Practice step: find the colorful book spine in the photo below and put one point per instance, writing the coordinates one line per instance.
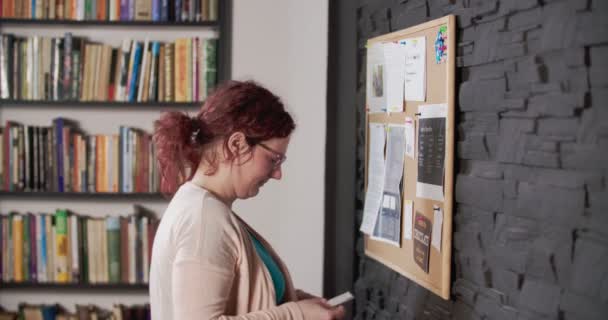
(66, 83)
(17, 233)
(61, 246)
(42, 266)
(135, 72)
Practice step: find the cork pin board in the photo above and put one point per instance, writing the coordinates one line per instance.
(440, 89)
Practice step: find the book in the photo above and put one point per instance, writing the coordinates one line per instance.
(17, 236)
(113, 244)
(61, 245)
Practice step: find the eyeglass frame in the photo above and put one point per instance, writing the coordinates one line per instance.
(278, 159)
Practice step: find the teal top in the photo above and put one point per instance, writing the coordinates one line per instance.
(275, 273)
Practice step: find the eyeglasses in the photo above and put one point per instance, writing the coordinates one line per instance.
(277, 157)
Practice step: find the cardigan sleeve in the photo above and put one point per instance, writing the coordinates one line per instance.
(202, 292)
(204, 271)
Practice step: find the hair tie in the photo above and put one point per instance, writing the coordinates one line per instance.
(196, 130)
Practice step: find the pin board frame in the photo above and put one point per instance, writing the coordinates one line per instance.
(440, 88)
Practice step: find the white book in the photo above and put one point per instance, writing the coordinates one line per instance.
(113, 16)
(4, 92)
(35, 66)
(132, 239)
(75, 255)
(56, 66)
(30, 68)
(80, 6)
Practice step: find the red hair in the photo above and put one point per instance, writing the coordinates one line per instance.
(233, 107)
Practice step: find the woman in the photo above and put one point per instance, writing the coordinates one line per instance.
(207, 263)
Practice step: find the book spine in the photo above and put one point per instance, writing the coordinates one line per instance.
(153, 87)
(73, 220)
(124, 10)
(82, 248)
(132, 248)
(124, 250)
(113, 231)
(131, 10)
(33, 248)
(142, 71)
(211, 57)
(26, 248)
(164, 11)
(135, 73)
(59, 154)
(17, 233)
(52, 254)
(42, 276)
(61, 246)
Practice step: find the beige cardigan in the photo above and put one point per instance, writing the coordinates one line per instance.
(204, 265)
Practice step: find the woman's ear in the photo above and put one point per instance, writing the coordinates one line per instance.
(237, 144)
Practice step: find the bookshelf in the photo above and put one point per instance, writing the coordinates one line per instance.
(80, 195)
(73, 286)
(4, 103)
(99, 117)
(75, 23)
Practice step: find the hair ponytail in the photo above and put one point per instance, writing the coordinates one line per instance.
(178, 139)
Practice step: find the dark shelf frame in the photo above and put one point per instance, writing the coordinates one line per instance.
(104, 104)
(80, 195)
(74, 286)
(34, 22)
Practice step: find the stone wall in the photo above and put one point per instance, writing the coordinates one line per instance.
(531, 214)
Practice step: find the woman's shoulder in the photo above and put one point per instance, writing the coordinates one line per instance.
(196, 207)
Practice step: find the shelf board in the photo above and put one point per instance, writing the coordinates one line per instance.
(105, 104)
(80, 195)
(213, 24)
(74, 286)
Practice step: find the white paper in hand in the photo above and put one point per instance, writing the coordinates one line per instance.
(341, 299)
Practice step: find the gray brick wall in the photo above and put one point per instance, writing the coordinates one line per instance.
(531, 212)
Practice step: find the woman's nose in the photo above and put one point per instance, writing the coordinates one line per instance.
(277, 173)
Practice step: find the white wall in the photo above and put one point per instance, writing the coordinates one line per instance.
(282, 45)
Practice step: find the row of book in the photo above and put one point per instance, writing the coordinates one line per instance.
(73, 68)
(62, 158)
(83, 312)
(112, 10)
(65, 247)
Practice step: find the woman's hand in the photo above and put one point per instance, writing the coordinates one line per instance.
(303, 295)
(318, 309)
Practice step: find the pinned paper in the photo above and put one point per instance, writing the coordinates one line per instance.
(408, 212)
(385, 69)
(441, 45)
(376, 97)
(415, 69)
(431, 151)
(437, 227)
(375, 177)
(410, 137)
(388, 226)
